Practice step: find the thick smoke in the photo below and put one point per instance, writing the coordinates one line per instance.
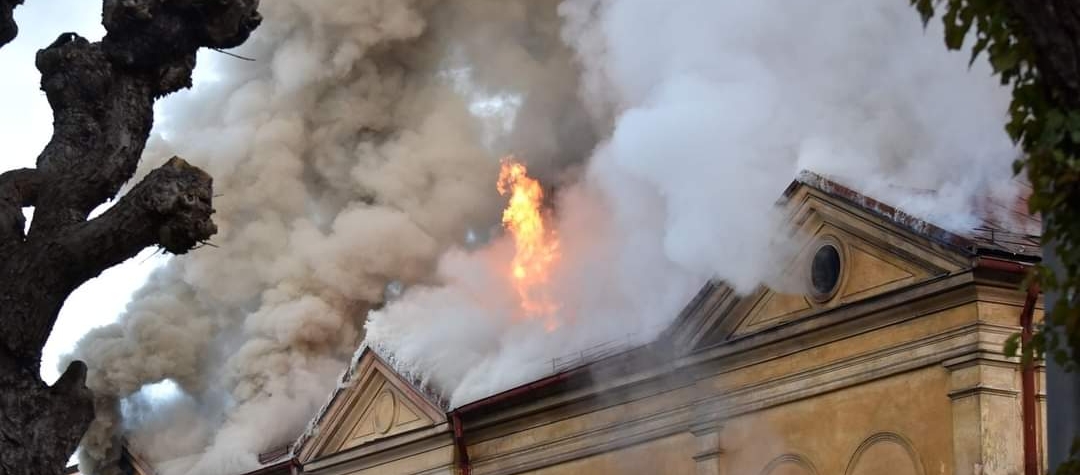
(710, 108)
(349, 154)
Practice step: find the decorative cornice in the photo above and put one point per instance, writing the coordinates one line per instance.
(707, 455)
(583, 444)
(983, 390)
(329, 423)
(987, 357)
(707, 436)
(796, 459)
(383, 450)
(852, 371)
(712, 304)
(706, 413)
(705, 428)
(934, 295)
(617, 386)
(703, 416)
(889, 437)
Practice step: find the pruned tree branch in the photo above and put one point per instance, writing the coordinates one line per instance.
(102, 95)
(110, 86)
(169, 208)
(20, 186)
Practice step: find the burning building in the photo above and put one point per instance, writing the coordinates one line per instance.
(355, 160)
(890, 362)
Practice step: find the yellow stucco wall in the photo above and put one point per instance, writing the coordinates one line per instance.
(430, 462)
(903, 422)
(569, 433)
(670, 455)
(816, 356)
(826, 430)
(911, 383)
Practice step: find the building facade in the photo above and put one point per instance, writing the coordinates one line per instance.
(891, 363)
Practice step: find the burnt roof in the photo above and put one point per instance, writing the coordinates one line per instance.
(1005, 228)
(275, 454)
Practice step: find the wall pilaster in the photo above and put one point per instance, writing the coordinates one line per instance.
(987, 422)
(708, 456)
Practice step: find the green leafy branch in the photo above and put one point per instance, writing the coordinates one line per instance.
(1045, 122)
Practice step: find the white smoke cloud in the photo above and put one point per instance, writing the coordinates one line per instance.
(714, 107)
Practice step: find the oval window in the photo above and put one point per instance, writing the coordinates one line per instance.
(825, 271)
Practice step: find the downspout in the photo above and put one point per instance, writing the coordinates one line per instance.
(1027, 372)
(463, 466)
(1027, 394)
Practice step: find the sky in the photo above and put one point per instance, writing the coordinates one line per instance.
(25, 128)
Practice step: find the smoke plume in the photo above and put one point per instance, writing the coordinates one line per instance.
(352, 151)
(707, 111)
(360, 149)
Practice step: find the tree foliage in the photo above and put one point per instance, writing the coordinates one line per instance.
(1034, 47)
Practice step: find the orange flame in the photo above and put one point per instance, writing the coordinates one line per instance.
(536, 248)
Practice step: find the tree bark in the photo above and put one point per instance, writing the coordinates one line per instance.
(102, 96)
(8, 29)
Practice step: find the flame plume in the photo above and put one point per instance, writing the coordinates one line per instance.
(536, 247)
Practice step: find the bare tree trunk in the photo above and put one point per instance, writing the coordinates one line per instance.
(102, 96)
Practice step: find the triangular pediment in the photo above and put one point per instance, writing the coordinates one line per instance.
(866, 269)
(873, 256)
(377, 404)
(771, 308)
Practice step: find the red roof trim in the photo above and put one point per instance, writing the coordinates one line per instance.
(896, 216)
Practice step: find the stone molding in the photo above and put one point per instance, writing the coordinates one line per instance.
(706, 413)
(382, 451)
(848, 372)
(890, 437)
(583, 444)
(832, 325)
(707, 458)
(792, 458)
